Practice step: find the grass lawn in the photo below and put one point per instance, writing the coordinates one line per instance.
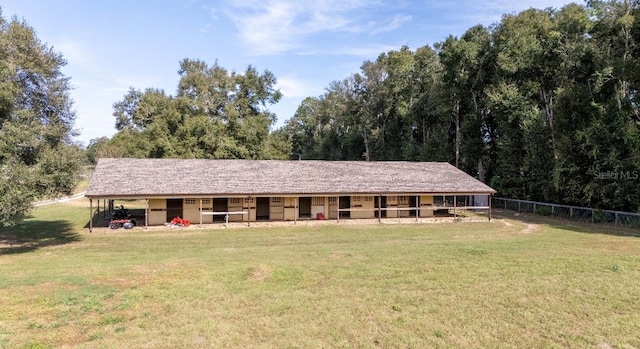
(516, 282)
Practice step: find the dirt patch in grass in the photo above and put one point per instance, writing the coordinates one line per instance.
(531, 227)
(259, 273)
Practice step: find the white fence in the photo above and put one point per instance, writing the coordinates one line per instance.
(628, 219)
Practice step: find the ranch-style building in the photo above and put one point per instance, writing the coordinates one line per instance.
(208, 191)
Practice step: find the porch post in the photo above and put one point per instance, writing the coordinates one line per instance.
(249, 213)
(489, 207)
(379, 208)
(417, 211)
(337, 209)
(295, 210)
(90, 215)
(146, 214)
(455, 204)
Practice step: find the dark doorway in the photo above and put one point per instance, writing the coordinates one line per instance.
(262, 209)
(174, 208)
(220, 205)
(345, 202)
(413, 201)
(304, 205)
(382, 212)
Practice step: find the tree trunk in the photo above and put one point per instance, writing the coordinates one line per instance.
(547, 99)
(367, 154)
(457, 115)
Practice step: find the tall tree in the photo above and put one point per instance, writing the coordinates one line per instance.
(215, 114)
(37, 156)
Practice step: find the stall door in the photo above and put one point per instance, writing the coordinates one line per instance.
(174, 208)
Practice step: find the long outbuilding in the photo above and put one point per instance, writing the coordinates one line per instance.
(207, 191)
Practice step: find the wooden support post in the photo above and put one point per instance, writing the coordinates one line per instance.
(146, 214)
(455, 204)
(534, 208)
(570, 212)
(379, 208)
(417, 205)
(249, 213)
(91, 215)
(490, 207)
(337, 209)
(616, 218)
(295, 210)
(200, 213)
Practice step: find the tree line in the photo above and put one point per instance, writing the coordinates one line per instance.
(543, 105)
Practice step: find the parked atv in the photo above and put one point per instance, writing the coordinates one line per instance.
(121, 218)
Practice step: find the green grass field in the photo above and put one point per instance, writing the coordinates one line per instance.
(514, 282)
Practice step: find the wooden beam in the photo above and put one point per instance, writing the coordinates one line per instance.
(90, 215)
(337, 209)
(295, 210)
(489, 207)
(417, 205)
(379, 208)
(455, 204)
(200, 213)
(146, 214)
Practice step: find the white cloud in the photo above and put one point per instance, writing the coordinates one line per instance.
(395, 23)
(295, 88)
(275, 26)
(368, 52)
(77, 55)
(491, 11)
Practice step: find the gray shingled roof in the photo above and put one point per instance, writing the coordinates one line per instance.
(120, 178)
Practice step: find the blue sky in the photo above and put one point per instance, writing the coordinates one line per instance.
(113, 45)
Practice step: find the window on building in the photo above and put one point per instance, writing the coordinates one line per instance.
(333, 200)
(276, 201)
(234, 200)
(206, 201)
(403, 200)
(368, 198)
(248, 200)
(355, 198)
(317, 201)
(189, 201)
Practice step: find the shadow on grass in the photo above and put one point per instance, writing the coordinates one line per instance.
(577, 226)
(30, 235)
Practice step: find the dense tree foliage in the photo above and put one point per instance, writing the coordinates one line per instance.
(214, 114)
(37, 157)
(543, 105)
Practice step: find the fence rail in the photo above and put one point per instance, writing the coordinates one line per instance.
(628, 219)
